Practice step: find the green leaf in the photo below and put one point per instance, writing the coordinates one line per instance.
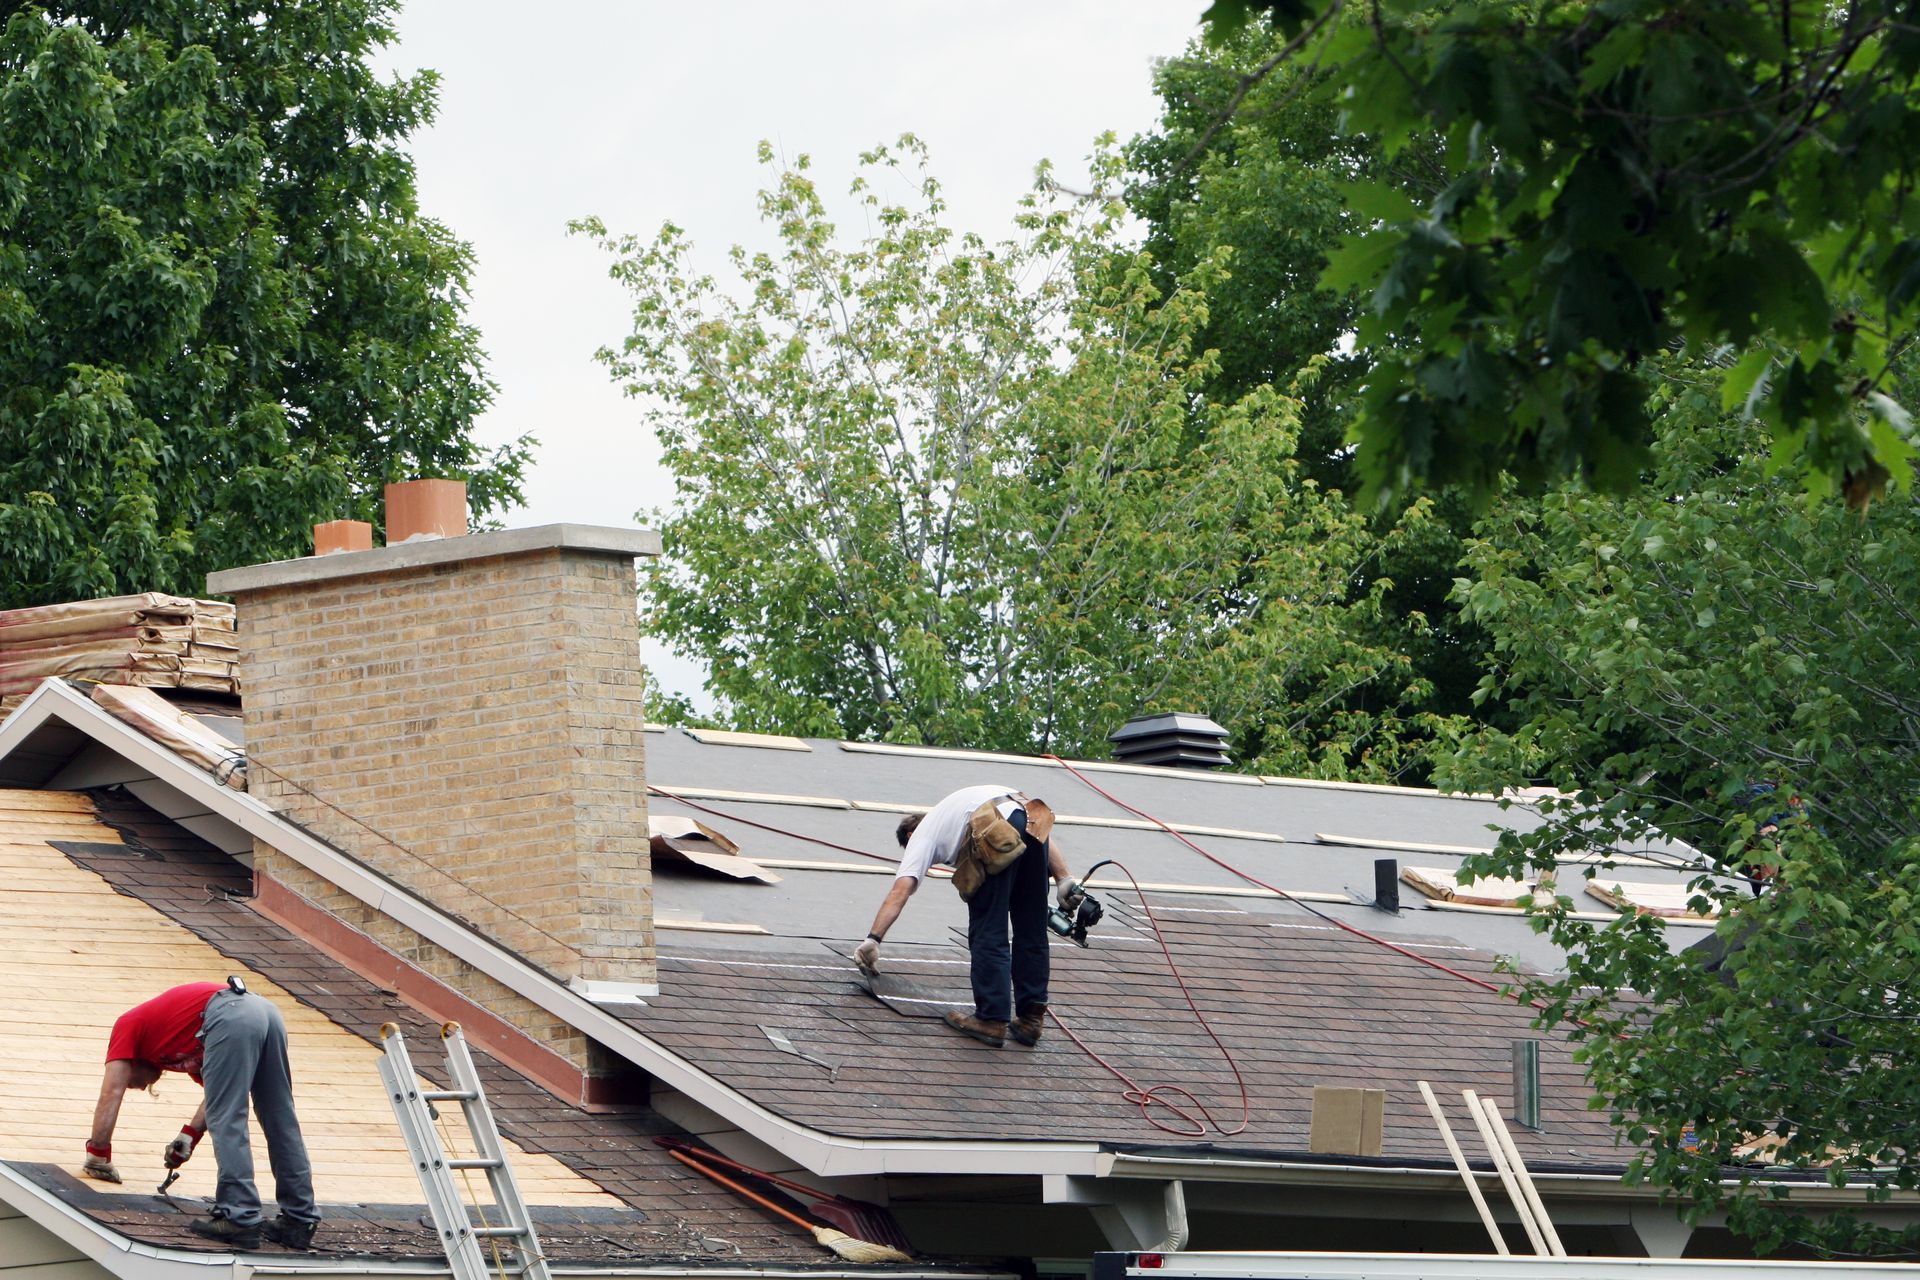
(1360, 260)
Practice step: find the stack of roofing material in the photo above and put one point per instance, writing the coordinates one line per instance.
(160, 641)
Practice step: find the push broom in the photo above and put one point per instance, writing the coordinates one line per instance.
(840, 1242)
(857, 1218)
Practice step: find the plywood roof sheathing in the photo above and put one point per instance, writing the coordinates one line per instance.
(125, 951)
(754, 797)
(729, 738)
(1379, 788)
(1089, 766)
(1601, 916)
(706, 926)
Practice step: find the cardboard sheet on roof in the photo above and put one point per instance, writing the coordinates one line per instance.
(677, 839)
(1446, 886)
(1667, 900)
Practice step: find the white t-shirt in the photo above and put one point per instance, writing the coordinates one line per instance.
(937, 838)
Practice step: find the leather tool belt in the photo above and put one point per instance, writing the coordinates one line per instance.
(992, 844)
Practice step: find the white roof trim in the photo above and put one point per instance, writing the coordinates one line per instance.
(828, 1155)
(132, 1260)
(126, 1258)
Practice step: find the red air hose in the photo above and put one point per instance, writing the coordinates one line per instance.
(1146, 1097)
(1281, 893)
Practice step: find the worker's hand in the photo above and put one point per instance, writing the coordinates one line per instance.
(1069, 894)
(867, 956)
(180, 1150)
(99, 1164)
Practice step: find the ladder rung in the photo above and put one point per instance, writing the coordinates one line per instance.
(449, 1095)
(475, 1164)
(489, 1233)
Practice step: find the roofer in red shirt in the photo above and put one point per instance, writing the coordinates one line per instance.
(234, 1044)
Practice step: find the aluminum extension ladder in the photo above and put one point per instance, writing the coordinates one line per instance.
(413, 1108)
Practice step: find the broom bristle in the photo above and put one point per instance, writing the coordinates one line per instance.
(857, 1250)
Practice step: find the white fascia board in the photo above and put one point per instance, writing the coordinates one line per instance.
(1479, 1266)
(1562, 1185)
(282, 1265)
(128, 1259)
(828, 1155)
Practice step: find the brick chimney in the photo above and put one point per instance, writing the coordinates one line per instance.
(463, 714)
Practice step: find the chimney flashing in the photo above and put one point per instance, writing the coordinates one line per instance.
(628, 543)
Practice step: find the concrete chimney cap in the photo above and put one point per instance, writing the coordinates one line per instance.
(627, 543)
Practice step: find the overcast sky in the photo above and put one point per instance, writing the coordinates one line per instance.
(644, 112)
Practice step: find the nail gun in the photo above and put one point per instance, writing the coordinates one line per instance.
(1084, 917)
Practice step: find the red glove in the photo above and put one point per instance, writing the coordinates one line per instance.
(181, 1148)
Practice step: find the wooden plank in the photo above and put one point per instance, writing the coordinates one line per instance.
(706, 926)
(45, 801)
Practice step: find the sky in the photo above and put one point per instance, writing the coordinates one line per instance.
(642, 112)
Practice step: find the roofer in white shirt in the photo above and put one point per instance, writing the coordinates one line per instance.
(997, 842)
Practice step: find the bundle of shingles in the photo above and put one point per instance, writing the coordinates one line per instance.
(166, 642)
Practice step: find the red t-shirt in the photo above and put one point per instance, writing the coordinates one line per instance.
(165, 1030)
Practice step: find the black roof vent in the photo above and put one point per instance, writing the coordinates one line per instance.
(1177, 739)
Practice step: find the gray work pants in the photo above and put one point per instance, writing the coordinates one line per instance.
(246, 1054)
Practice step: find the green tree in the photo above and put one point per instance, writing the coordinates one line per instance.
(1622, 179)
(934, 490)
(1267, 182)
(222, 315)
(1709, 665)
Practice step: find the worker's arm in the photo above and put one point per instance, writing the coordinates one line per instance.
(180, 1150)
(1057, 863)
(1066, 889)
(890, 906)
(867, 954)
(106, 1114)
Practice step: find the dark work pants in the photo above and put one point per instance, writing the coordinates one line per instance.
(1019, 895)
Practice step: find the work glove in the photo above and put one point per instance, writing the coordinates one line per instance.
(867, 956)
(1069, 894)
(99, 1164)
(180, 1150)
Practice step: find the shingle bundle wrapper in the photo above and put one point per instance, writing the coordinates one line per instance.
(166, 724)
(160, 641)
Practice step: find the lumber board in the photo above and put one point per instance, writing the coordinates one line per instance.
(46, 801)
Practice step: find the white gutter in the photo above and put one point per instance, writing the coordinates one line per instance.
(1563, 1185)
(822, 1153)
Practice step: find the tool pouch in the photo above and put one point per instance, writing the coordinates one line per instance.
(992, 845)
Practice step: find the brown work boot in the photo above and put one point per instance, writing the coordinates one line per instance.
(993, 1033)
(1027, 1026)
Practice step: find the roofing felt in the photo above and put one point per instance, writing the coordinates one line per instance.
(638, 1202)
(855, 796)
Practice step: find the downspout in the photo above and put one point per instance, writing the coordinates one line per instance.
(1176, 1202)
